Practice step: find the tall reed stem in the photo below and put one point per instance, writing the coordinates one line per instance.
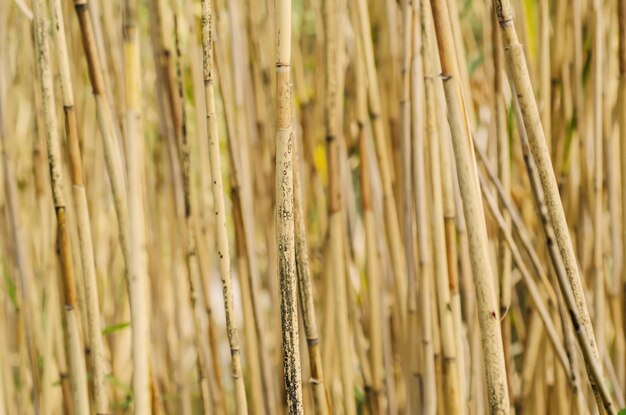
(285, 211)
(137, 261)
(220, 212)
(497, 390)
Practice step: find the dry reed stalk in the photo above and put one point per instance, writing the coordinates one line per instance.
(455, 224)
(138, 285)
(449, 216)
(101, 404)
(473, 211)
(78, 374)
(285, 211)
(504, 173)
(418, 367)
(218, 203)
(442, 284)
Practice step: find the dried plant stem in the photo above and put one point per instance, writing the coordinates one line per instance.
(453, 403)
(137, 260)
(220, 212)
(504, 173)
(285, 211)
(101, 404)
(497, 390)
(78, 373)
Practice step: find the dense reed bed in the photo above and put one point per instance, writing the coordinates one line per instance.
(312, 206)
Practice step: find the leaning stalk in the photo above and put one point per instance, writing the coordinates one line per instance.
(488, 314)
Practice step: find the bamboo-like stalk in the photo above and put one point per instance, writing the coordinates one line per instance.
(285, 211)
(530, 114)
(504, 173)
(101, 404)
(455, 226)
(78, 374)
(497, 391)
(428, 380)
(137, 260)
(449, 216)
(218, 203)
(453, 403)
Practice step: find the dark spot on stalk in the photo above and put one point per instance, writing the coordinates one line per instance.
(572, 316)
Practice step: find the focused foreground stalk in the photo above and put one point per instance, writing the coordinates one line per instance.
(285, 211)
